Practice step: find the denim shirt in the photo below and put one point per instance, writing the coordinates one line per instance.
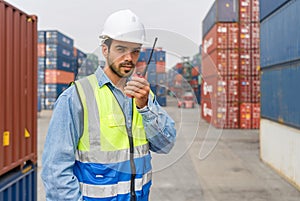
(65, 130)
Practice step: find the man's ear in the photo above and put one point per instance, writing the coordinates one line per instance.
(104, 50)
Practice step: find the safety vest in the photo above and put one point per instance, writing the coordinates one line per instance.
(103, 166)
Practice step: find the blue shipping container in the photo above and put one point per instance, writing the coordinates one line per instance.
(60, 63)
(56, 37)
(280, 98)
(151, 77)
(18, 186)
(160, 55)
(57, 50)
(267, 7)
(41, 36)
(280, 36)
(221, 11)
(148, 53)
(54, 90)
(142, 56)
(161, 78)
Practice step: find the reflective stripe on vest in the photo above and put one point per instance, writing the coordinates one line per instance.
(103, 191)
(105, 138)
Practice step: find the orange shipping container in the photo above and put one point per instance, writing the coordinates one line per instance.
(245, 115)
(41, 50)
(18, 88)
(160, 66)
(53, 76)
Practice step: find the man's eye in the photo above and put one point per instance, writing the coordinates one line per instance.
(121, 49)
(136, 51)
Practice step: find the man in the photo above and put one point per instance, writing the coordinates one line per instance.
(104, 126)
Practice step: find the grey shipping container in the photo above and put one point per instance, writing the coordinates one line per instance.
(18, 88)
(280, 36)
(19, 185)
(267, 7)
(280, 98)
(221, 11)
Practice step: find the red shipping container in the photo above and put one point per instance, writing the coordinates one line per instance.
(245, 35)
(255, 116)
(18, 88)
(216, 38)
(232, 120)
(214, 112)
(255, 97)
(214, 88)
(233, 62)
(232, 88)
(245, 10)
(233, 35)
(195, 71)
(210, 65)
(245, 115)
(245, 62)
(255, 35)
(245, 89)
(255, 62)
(255, 11)
(41, 50)
(53, 76)
(160, 66)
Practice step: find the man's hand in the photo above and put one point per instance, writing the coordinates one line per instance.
(139, 88)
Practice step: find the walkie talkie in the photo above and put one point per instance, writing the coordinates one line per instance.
(143, 73)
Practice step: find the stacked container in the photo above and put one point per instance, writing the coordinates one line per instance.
(18, 103)
(59, 65)
(156, 72)
(79, 59)
(41, 67)
(88, 66)
(280, 108)
(230, 64)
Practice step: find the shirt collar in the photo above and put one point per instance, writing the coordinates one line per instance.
(102, 77)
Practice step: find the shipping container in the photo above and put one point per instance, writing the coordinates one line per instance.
(245, 89)
(58, 77)
(19, 185)
(233, 62)
(18, 88)
(160, 55)
(221, 11)
(60, 63)
(216, 38)
(232, 120)
(214, 112)
(56, 37)
(255, 87)
(255, 116)
(280, 36)
(280, 149)
(57, 50)
(267, 7)
(54, 90)
(215, 63)
(245, 62)
(214, 88)
(246, 115)
(41, 37)
(280, 96)
(161, 67)
(245, 10)
(255, 11)
(41, 50)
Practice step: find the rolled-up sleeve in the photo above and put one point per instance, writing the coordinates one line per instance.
(159, 127)
(59, 150)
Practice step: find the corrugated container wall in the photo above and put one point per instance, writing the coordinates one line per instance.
(18, 88)
(280, 36)
(267, 7)
(19, 186)
(221, 11)
(280, 98)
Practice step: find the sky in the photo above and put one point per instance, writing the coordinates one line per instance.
(177, 23)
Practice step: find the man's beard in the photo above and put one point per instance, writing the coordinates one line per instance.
(117, 71)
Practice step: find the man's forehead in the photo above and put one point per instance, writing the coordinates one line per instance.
(126, 44)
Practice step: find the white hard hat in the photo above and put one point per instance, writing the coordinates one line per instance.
(124, 25)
